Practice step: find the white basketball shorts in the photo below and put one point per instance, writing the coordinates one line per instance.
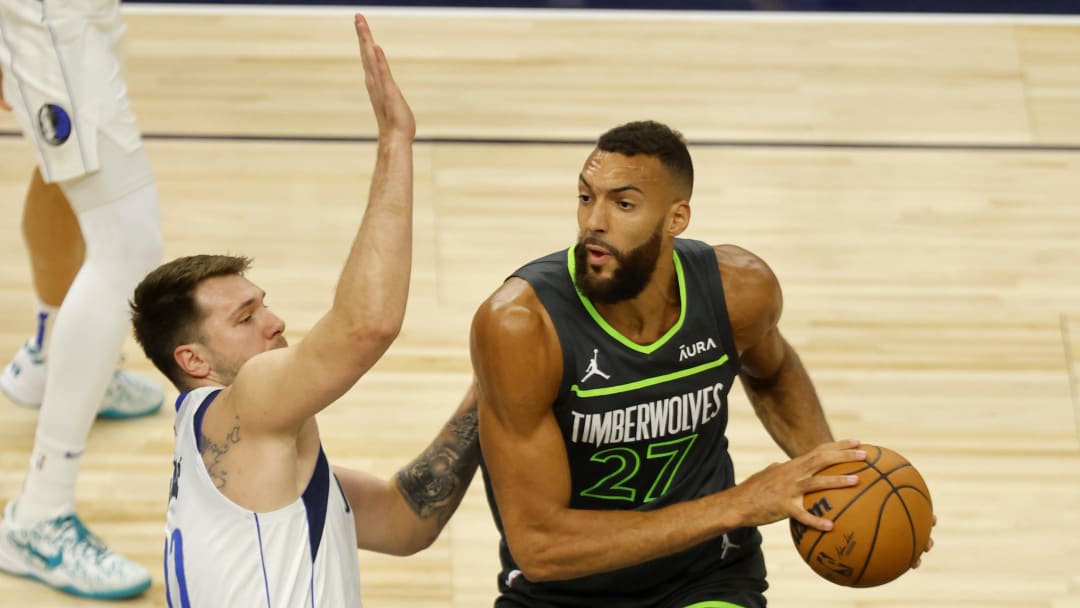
(63, 77)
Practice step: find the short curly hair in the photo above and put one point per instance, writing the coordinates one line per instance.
(652, 138)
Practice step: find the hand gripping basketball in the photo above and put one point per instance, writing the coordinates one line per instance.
(881, 525)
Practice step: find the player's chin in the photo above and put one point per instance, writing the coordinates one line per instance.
(595, 284)
(603, 272)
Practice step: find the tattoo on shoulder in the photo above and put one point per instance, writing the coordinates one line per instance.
(213, 453)
(434, 482)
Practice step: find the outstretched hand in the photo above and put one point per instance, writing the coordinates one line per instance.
(776, 492)
(392, 112)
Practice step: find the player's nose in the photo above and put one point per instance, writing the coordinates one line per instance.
(595, 220)
(275, 327)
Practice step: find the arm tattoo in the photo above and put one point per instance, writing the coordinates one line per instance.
(434, 482)
(213, 452)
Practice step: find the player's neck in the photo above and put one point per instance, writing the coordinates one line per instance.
(645, 318)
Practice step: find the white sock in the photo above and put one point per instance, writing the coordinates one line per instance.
(45, 316)
(50, 467)
(122, 244)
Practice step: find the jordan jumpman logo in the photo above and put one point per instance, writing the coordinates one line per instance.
(593, 370)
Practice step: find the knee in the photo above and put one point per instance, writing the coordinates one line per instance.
(124, 262)
(123, 238)
(142, 253)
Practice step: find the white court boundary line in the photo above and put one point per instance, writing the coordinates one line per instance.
(557, 14)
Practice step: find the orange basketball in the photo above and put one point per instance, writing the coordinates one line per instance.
(880, 525)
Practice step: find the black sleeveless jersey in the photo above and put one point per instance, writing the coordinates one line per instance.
(643, 424)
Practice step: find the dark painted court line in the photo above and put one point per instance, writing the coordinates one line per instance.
(707, 143)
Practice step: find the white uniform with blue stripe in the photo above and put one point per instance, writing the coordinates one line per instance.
(220, 554)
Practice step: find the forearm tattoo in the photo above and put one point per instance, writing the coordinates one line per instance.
(212, 454)
(434, 482)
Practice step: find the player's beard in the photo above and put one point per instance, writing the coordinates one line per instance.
(633, 272)
(228, 367)
(227, 370)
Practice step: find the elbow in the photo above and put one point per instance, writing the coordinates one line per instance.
(422, 539)
(412, 541)
(413, 546)
(386, 332)
(382, 332)
(537, 570)
(537, 574)
(538, 559)
(366, 323)
(422, 544)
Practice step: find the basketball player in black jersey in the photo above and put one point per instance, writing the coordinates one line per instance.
(603, 377)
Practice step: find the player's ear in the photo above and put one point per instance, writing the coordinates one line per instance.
(678, 217)
(193, 359)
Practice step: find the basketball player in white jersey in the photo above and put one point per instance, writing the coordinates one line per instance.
(257, 516)
(91, 226)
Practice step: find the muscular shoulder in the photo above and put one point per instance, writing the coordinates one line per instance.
(513, 311)
(515, 351)
(752, 294)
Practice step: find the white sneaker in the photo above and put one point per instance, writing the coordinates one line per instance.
(63, 554)
(128, 395)
(23, 380)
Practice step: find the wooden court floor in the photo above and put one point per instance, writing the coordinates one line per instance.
(912, 182)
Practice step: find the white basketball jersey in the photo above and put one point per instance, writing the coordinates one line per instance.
(220, 554)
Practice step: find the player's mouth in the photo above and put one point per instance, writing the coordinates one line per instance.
(596, 256)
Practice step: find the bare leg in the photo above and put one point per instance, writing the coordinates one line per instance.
(56, 250)
(53, 240)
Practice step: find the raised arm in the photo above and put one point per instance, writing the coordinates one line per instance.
(369, 303)
(517, 359)
(406, 514)
(772, 374)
